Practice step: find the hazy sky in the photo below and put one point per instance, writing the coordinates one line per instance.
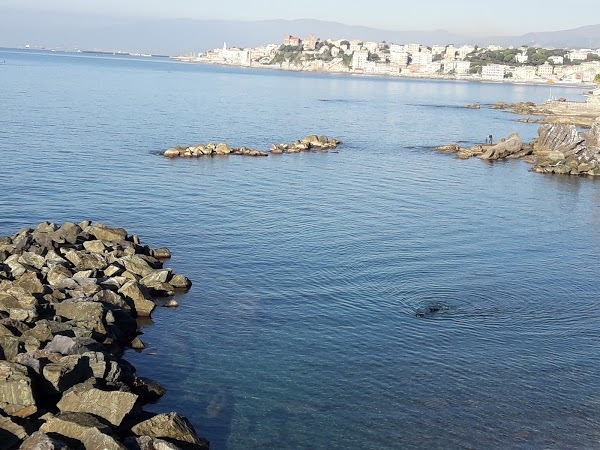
(507, 17)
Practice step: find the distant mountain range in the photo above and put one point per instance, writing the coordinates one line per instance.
(186, 36)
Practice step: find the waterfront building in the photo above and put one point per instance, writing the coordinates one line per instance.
(457, 66)
(399, 58)
(422, 58)
(359, 58)
(493, 72)
(524, 73)
(545, 71)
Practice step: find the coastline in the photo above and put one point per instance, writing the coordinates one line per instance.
(427, 77)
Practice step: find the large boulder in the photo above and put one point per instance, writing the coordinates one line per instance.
(16, 391)
(84, 429)
(142, 304)
(112, 406)
(504, 149)
(80, 310)
(223, 149)
(170, 426)
(557, 138)
(10, 433)
(106, 233)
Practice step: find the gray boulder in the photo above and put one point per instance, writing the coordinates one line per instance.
(41, 441)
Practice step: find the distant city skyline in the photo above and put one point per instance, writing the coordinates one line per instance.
(460, 16)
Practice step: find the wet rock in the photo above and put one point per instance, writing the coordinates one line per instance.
(106, 233)
(170, 426)
(180, 282)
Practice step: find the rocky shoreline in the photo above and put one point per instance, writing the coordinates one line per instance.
(309, 143)
(559, 149)
(69, 299)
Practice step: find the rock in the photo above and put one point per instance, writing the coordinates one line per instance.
(137, 265)
(67, 233)
(113, 406)
(82, 311)
(473, 106)
(451, 148)
(223, 149)
(148, 443)
(16, 392)
(180, 282)
(170, 426)
(105, 233)
(67, 345)
(86, 261)
(557, 138)
(41, 441)
(33, 260)
(142, 305)
(10, 347)
(172, 153)
(150, 391)
(57, 274)
(81, 428)
(66, 372)
(10, 433)
(501, 150)
(94, 246)
(161, 253)
(137, 344)
(172, 303)
(30, 283)
(156, 276)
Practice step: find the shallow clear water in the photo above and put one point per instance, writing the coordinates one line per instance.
(300, 330)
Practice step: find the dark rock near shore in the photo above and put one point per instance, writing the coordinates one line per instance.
(69, 298)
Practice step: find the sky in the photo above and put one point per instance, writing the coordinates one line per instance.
(476, 18)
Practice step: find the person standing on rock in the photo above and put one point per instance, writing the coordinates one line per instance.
(491, 140)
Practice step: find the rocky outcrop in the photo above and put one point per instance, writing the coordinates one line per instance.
(309, 143)
(69, 297)
(559, 149)
(512, 147)
(221, 149)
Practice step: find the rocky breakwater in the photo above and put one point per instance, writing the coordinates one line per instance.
(221, 149)
(69, 299)
(309, 143)
(559, 149)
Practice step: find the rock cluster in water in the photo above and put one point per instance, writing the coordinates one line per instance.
(314, 142)
(223, 149)
(559, 149)
(69, 299)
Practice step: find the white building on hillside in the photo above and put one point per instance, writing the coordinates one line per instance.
(399, 58)
(359, 58)
(423, 58)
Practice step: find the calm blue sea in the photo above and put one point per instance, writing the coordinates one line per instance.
(300, 331)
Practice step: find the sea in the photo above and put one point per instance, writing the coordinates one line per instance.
(301, 330)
